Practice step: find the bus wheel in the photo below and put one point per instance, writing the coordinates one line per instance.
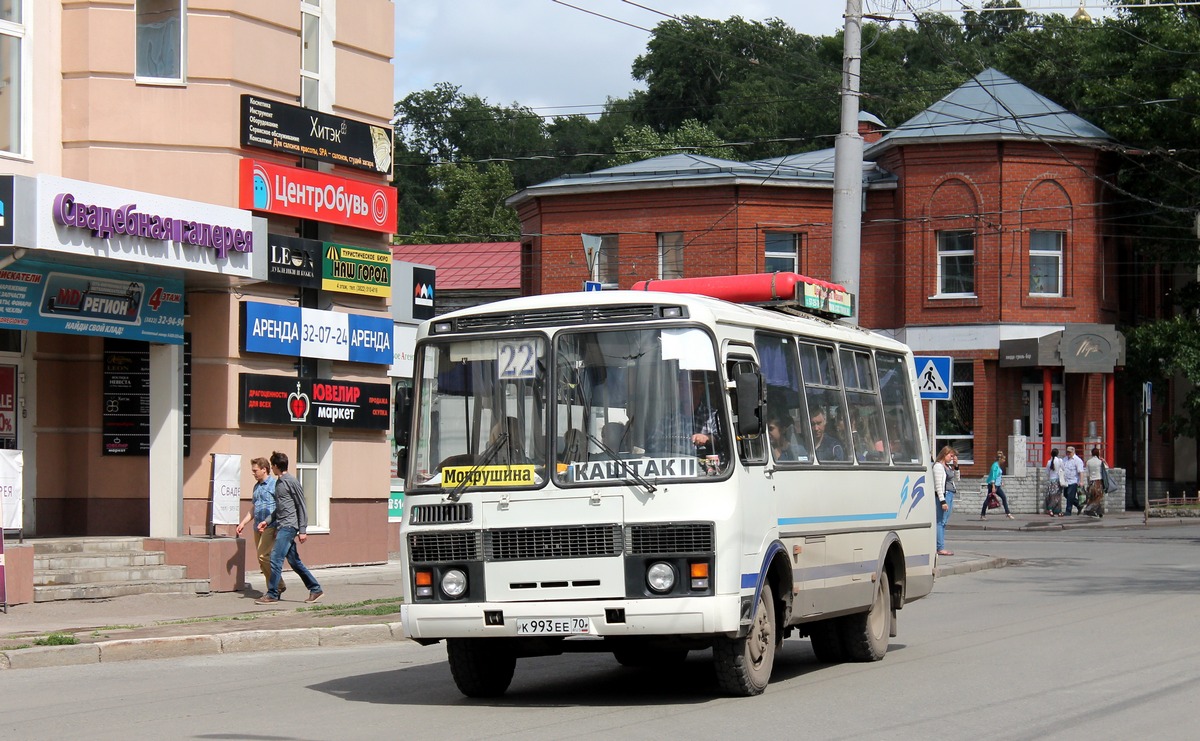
(865, 634)
(744, 664)
(826, 637)
(481, 667)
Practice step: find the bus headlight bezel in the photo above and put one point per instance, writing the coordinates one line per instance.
(454, 583)
(660, 577)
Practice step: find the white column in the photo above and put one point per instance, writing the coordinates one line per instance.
(166, 441)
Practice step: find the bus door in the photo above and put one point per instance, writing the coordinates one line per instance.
(744, 386)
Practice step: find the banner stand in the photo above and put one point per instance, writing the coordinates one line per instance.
(226, 491)
(3, 577)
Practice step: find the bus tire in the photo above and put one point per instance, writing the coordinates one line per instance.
(481, 667)
(826, 637)
(744, 664)
(865, 634)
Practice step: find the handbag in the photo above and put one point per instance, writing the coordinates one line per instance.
(1105, 480)
(993, 500)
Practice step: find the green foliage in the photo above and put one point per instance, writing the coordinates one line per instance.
(56, 639)
(637, 143)
(1159, 350)
(468, 205)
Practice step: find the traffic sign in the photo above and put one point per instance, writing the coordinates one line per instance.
(593, 285)
(933, 376)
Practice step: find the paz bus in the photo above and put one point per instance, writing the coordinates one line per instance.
(653, 472)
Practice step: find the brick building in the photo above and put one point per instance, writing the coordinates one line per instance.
(980, 241)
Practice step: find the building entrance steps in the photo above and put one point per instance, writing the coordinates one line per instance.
(102, 567)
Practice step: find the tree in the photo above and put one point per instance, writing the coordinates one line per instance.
(642, 142)
(469, 206)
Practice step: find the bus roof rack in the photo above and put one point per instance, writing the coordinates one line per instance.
(790, 291)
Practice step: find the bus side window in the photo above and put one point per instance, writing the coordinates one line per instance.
(787, 418)
(895, 389)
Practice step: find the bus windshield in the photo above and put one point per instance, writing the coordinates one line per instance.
(641, 403)
(622, 406)
(481, 413)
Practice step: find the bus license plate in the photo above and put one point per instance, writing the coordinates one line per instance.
(554, 626)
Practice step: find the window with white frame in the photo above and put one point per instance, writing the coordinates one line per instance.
(954, 419)
(956, 262)
(780, 253)
(670, 255)
(161, 34)
(606, 268)
(1046, 263)
(310, 54)
(12, 73)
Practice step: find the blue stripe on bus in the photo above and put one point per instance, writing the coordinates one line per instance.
(750, 581)
(836, 518)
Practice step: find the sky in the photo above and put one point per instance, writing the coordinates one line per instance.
(554, 57)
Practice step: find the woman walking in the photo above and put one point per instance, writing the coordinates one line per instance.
(945, 475)
(1054, 497)
(993, 483)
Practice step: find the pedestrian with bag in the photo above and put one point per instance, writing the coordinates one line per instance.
(1053, 503)
(1097, 475)
(261, 508)
(291, 524)
(945, 484)
(995, 490)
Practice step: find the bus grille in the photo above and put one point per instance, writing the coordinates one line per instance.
(571, 541)
(671, 538)
(445, 513)
(552, 317)
(461, 545)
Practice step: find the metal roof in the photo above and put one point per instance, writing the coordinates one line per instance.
(991, 106)
(468, 265)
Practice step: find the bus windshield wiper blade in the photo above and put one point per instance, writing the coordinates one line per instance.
(488, 456)
(633, 475)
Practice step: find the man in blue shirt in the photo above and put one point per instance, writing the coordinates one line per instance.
(291, 521)
(1073, 468)
(262, 507)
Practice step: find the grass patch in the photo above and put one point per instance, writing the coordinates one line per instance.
(213, 619)
(371, 607)
(56, 639)
(15, 646)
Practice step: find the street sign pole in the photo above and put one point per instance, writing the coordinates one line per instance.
(1147, 393)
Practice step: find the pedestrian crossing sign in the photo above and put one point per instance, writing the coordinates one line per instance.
(933, 376)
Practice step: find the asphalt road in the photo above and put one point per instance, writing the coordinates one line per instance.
(1092, 635)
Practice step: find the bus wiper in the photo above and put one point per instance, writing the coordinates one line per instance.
(634, 475)
(488, 456)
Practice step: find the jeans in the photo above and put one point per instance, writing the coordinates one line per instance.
(1070, 492)
(1003, 500)
(285, 546)
(943, 516)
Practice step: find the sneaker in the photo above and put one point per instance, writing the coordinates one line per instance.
(266, 599)
(314, 597)
(282, 588)
(1010, 517)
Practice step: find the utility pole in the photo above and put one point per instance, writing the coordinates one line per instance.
(847, 166)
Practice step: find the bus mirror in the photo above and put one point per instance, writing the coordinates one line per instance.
(749, 404)
(401, 425)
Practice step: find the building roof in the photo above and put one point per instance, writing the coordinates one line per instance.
(808, 170)
(468, 265)
(991, 106)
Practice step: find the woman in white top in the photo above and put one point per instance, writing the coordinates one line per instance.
(1054, 498)
(1095, 485)
(945, 477)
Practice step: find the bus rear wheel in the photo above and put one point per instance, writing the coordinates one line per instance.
(481, 667)
(865, 634)
(744, 664)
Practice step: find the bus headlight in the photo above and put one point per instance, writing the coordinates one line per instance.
(660, 577)
(454, 583)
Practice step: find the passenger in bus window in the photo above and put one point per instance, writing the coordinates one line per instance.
(694, 432)
(784, 446)
(828, 447)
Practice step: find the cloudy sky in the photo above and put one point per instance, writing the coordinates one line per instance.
(557, 56)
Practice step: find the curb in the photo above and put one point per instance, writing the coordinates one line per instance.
(136, 649)
(966, 567)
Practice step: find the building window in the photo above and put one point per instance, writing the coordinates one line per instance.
(1045, 263)
(956, 262)
(606, 264)
(670, 255)
(781, 254)
(12, 72)
(310, 54)
(160, 39)
(955, 417)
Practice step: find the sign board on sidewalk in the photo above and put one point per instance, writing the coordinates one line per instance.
(933, 376)
(226, 489)
(12, 464)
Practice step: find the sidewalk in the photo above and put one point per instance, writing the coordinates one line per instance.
(164, 625)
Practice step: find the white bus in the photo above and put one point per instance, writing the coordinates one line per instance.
(649, 473)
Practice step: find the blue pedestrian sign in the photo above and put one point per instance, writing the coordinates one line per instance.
(933, 376)
(593, 285)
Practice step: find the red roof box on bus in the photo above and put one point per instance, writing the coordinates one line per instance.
(817, 296)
